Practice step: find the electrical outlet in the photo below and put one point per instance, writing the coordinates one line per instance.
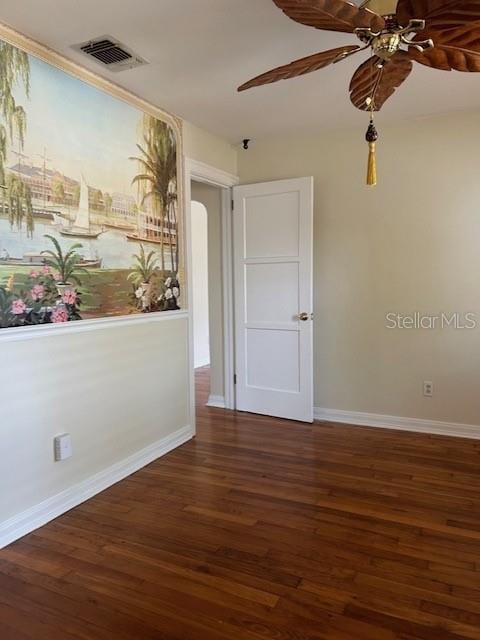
(428, 389)
(63, 447)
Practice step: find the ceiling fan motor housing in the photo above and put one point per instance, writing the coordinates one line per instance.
(386, 44)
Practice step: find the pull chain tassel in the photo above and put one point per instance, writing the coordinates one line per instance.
(371, 137)
(372, 165)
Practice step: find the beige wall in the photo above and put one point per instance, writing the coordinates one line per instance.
(210, 197)
(412, 243)
(205, 147)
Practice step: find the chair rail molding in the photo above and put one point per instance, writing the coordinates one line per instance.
(15, 334)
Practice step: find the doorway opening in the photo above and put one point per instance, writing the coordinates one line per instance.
(212, 188)
(200, 300)
(207, 299)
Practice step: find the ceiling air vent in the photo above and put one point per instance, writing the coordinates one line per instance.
(110, 53)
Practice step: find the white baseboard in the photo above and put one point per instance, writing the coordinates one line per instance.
(38, 515)
(396, 422)
(216, 401)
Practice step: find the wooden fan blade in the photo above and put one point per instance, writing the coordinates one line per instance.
(331, 15)
(447, 57)
(440, 15)
(454, 27)
(302, 66)
(370, 79)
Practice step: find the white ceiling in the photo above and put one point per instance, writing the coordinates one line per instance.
(201, 50)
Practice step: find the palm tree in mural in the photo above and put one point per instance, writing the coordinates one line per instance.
(157, 179)
(14, 70)
(173, 226)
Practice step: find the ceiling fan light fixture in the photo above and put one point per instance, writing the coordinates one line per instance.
(441, 34)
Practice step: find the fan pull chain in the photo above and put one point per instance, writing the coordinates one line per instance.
(371, 137)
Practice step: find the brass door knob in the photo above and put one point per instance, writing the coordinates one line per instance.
(303, 316)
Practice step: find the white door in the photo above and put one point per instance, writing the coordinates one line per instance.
(273, 236)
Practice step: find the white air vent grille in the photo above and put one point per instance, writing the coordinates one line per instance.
(110, 53)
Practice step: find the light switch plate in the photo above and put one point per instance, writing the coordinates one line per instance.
(63, 447)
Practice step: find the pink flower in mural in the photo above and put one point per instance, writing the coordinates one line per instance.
(59, 314)
(46, 270)
(38, 292)
(34, 274)
(18, 307)
(69, 296)
(56, 276)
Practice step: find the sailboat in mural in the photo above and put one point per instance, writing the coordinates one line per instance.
(81, 226)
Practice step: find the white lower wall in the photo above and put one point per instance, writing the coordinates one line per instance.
(119, 390)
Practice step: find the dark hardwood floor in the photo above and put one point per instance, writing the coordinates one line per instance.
(263, 529)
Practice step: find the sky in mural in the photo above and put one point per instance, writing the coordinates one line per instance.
(76, 124)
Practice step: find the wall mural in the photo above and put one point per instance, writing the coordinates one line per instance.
(89, 214)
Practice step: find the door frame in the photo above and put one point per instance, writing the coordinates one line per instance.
(201, 172)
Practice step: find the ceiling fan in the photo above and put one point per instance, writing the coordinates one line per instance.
(442, 34)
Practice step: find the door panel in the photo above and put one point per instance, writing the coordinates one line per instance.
(276, 278)
(273, 224)
(264, 213)
(267, 352)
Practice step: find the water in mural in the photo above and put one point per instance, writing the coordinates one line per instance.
(88, 200)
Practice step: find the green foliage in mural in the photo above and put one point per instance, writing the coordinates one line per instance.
(6, 299)
(14, 69)
(158, 166)
(65, 263)
(145, 266)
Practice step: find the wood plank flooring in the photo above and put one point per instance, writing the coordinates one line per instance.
(263, 529)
